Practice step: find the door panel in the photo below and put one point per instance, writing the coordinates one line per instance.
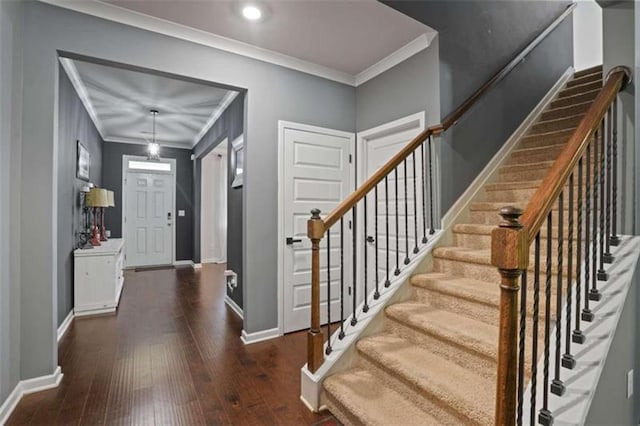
(148, 227)
(316, 175)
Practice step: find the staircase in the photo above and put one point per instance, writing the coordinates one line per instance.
(436, 361)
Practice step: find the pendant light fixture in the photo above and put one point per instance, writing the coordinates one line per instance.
(154, 147)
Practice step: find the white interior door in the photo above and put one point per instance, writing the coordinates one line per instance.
(316, 174)
(404, 203)
(148, 218)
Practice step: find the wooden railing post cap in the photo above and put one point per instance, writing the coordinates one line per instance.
(510, 217)
(315, 226)
(627, 73)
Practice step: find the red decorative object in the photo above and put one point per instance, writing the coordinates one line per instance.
(95, 240)
(103, 233)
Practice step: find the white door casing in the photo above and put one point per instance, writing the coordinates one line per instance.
(375, 147)
(148, 207)
(315, 172)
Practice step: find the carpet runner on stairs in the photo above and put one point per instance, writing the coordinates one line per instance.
(435, 362)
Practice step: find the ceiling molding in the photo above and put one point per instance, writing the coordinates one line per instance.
(72, 72)
(135, 19)
(161, 26)
(214, 117)
(139, 142)
(405, 52)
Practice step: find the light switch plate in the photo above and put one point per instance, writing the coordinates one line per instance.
(629, 384)
(181, 213)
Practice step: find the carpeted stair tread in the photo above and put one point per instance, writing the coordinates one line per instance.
(552, 150)
(459, 331)
(465, 288)
(587, 71)
(450, 385)
(575, 99)
(369, 401)
(577, 81)
(580, 88)
(463, 254)
(472, 228)
(565, 111)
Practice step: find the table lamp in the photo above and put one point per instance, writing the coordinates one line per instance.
(96, 198)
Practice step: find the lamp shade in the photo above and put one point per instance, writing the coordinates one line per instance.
(97, 197)
(111, 199)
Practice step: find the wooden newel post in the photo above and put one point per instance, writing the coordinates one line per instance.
(315, 337)
(509, 253)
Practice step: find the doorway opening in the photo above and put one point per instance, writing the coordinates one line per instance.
(213, 218)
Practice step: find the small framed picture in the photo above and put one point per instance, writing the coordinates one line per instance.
(84, 162)
(237, 161)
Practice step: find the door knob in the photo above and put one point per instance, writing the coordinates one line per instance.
(370, 239)
(291, 240)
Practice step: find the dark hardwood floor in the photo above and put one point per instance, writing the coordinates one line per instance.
(172, 355)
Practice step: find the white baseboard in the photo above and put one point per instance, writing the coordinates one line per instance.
(65, 325)
(259, 336)
(183, 263)
(197, 266)
(234, 306)
(25, 387)
(502, 155)
(214, 260)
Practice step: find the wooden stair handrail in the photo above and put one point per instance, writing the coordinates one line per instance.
(378, 176)
(556, 178)
(453, 118)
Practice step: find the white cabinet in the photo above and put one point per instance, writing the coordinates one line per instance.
(98, 278)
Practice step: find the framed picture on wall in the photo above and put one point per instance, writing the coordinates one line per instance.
(84, 162)
(237, 161)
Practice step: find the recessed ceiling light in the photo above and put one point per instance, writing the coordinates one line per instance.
(252, 13)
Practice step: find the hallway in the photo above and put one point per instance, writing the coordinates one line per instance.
(172, 355)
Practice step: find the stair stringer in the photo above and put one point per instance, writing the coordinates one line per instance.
(344, 355)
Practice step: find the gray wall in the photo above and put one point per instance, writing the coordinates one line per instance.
(618, 49)
(409, 87)
(74, 124)
(112, 153)
(610, 405)
(274, 93)
(10, 168)
(477, 38)
(229, 125)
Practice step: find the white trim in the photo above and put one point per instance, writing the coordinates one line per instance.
(234, 306)
(197, 266)
(25, 387)
(282, 125)
(83, 94)
(405, 52)
(259, 336)
(183, 263)
(132, 18)
(491, 169)
(214, 117)
(139, 142)
(174, 174)
(135, 19)
(215, 260)
(65, 325)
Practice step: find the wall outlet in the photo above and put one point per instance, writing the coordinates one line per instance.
(181, 213)
(629, 384)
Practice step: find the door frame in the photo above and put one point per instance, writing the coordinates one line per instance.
(224, 142)
(282, 126)
(125, 169)
(417, 121)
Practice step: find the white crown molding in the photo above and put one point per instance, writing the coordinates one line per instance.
(135, 19)
(214, 117)
(161, 26)
(405, 52)
(81, 90)
(142, 142)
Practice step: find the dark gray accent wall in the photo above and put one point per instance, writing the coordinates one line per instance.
(476, 39)
(112, 179)
(229, 125)
(610, 405)
(409, 87)
(11, 33)
(74, 124)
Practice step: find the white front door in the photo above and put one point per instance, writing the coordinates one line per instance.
(378, 145)
(316, 174)
(148, 218)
